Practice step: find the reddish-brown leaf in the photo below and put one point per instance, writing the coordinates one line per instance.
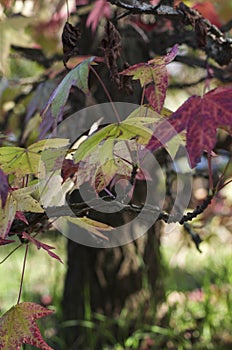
(39, 245)
(200, 117)
(69, 169)
(21, 216)
(154, 76)
(5, 241)
(18, 327)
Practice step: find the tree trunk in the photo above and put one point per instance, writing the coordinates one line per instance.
(108, 279)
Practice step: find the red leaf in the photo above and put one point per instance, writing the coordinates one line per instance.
(18, 327)
(4, 188)
(39, 245)
(154, 76)
(200, 117)
(20, 216)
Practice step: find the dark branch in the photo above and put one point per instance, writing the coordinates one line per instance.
(209, 38)
(136, 7)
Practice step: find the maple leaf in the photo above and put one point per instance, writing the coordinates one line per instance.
(78, 77)
(25, 161)
(122, 131)
(200, 117)
(18, 201)
(4, 188)
(97, 155)
(42, 245)
(153, 76)
(18, 327)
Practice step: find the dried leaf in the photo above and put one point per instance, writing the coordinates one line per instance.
(111, 44)
(70, 37)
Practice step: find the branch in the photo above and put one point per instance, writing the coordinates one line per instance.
(140, 7)
(101, 205)
(209, 38)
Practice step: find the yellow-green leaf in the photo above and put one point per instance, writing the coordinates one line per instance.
(25, 161)
(25, 202)
(122, 131)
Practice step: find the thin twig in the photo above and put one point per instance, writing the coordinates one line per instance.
(106, 92)
(67, 7)
(23, 272)
(8, 255)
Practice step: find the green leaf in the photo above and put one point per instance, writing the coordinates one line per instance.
(18, 327)
(122, 131)
(78, 77)
(13, 33)
(7, 215)
(143, 115)
(25, 161)
(25, 202)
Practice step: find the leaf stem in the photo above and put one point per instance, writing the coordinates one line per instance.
(67, 7)
(8, 255)
(224, 185)
(23, 272)
(220, 184)
(106, 92)
(142, 97)
(210, 172)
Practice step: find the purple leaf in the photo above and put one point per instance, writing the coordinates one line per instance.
(4, 187)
